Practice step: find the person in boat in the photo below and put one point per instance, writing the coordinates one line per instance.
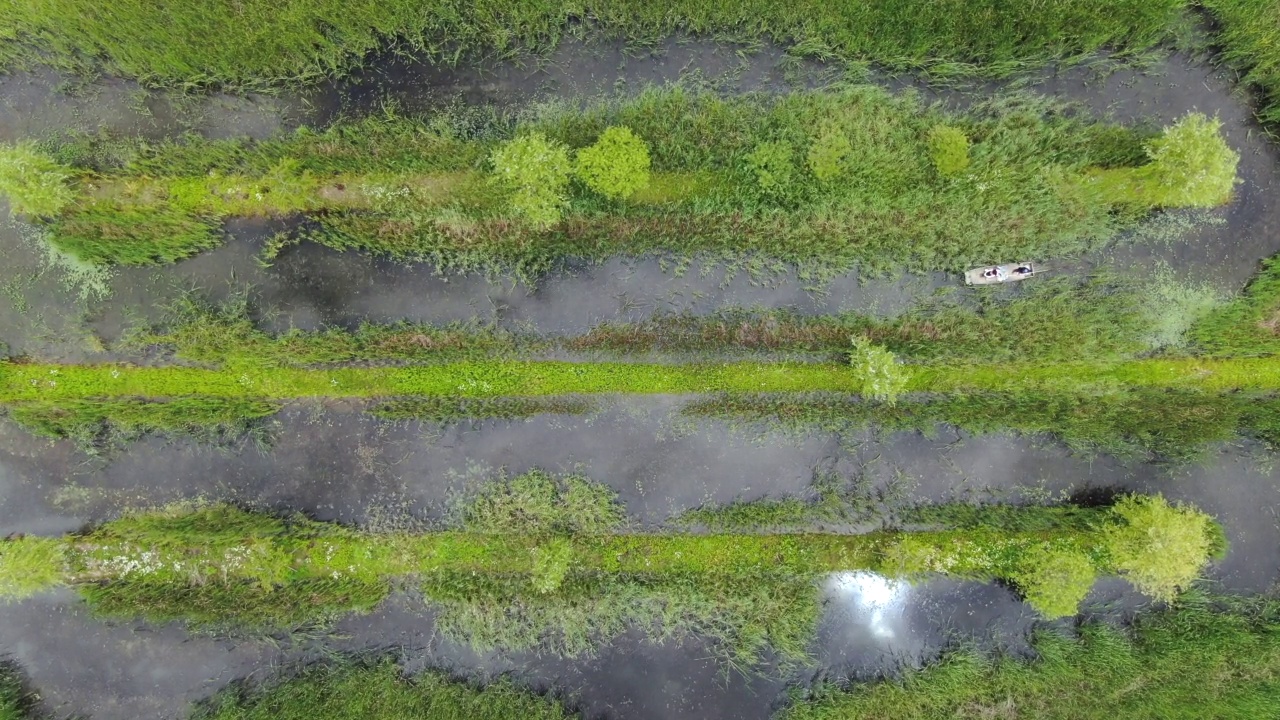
(1022, 270)
(991, 272)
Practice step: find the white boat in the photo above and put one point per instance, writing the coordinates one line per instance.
(997, 274)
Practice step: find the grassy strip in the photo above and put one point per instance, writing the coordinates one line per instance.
(1214, 658)
(365, 692)
(821, 180)
(538, 556)
(1248, 33)
(57, 383)
(256, 42)
(1141, 424)
(1250, 325)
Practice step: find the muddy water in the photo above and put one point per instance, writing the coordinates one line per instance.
(335, 463)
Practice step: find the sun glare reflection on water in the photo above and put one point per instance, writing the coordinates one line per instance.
(870, 595)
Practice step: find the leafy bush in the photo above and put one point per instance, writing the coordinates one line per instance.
(881, 376)
(1055, 580)
(535, 171)
(773, 164)
(829, 153)
(949, 149)
(1159, 547)
(1192, 164)
(551, 563)
(617, 165)
(34, 182)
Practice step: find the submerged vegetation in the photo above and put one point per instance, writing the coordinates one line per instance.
(256, 42)
(544, 561)
(367, 691)
(820, 180)
(14, 703)
(1145, 424)
(1100, 318)
(101, 425)
(1205, 657)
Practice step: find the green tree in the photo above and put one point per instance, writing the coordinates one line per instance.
(949, 149)
(35, 183)
(535, 171)
(1159, 547)
(1191, 163)
(617, 165)
(1055, 580)
(829, 153)
(1191, 166)
(878, 371)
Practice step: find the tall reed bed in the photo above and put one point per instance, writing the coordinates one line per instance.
(254, 42)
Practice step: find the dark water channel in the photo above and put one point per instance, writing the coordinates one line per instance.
(333, 462)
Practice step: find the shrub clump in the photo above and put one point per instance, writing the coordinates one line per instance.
(949, 149)
(1055, 580)
(881, 377)
(1192, 165)
(773, 165)
(617, 165)
(35, 183)
(1159, 547)
(538, 502)
(535, 171)
(829, 154)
